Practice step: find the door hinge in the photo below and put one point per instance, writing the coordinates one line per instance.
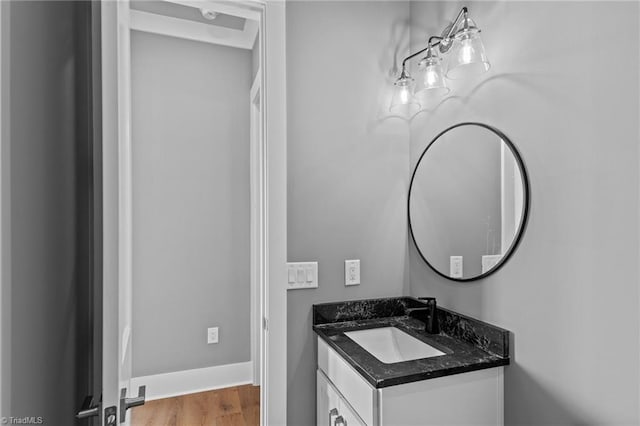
(265, 323)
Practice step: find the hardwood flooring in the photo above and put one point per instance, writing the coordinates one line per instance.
(236, 406)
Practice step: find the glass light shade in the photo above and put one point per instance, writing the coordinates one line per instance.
(432, 84)
(403, 102)
(467, 57)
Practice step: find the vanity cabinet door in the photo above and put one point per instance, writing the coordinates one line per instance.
(332, 409)
(327, 402)
(350, 384)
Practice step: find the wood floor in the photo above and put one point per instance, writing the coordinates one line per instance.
(236, 406)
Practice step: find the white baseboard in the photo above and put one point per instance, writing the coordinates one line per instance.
(197, 380)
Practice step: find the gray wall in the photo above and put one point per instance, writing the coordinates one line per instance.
(348, 166)
(570, 291)
(574, 119)
(44, 121)
(191, 203)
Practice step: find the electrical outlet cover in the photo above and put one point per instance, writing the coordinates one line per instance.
(455, 267)
(351, 272)
(212, 335)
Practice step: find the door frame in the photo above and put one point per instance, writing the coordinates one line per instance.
(256, 180)
(116, 162)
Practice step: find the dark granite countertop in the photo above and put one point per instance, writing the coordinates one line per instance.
(468, 344)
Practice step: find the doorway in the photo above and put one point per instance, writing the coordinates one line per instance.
(164, 207)
(190, 212)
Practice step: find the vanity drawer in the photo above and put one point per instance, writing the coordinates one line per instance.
(359, 394)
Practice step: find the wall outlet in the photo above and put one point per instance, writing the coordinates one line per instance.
(302, 275)
(455, 266)
(352, 272)
(212, 335)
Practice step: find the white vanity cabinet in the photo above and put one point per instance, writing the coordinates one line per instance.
(345, 398)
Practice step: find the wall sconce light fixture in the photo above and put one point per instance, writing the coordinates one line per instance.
(462, 44)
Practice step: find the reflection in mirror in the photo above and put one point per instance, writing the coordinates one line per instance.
(468, 201)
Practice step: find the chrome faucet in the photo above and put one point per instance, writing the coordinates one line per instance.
(428, 314)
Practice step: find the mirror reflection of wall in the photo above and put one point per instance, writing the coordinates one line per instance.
(467, 201)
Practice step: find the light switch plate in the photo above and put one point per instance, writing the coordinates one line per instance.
(305, 275)
(351, 272)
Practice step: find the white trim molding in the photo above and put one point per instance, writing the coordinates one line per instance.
(235, 8)
(197, 380)
(274, 91)
(181, 28)
(257, 231)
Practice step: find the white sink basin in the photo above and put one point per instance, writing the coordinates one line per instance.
(390, 344)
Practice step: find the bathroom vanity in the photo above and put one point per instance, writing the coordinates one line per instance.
(403, 361)
(378, 366)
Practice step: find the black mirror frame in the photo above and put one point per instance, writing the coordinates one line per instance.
(526, 202)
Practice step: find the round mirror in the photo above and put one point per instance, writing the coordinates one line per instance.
(468, 201)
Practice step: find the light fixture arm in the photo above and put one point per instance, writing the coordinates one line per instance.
(430, 43)
(439, 40)
(463, 12)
